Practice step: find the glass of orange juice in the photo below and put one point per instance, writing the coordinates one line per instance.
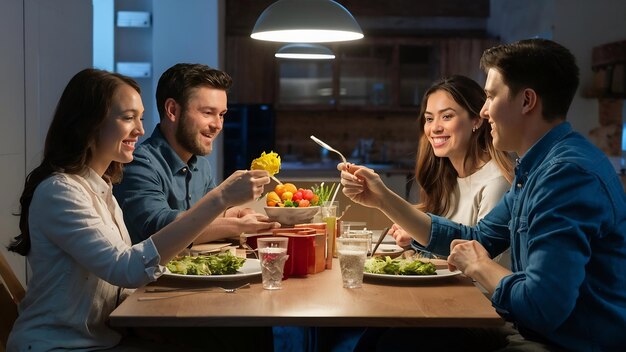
(329, 216)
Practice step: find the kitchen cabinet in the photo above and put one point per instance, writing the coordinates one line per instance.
(386, 74)
(251, 64)
(305, 82)
(370, 74)
(462, 56)
(365, 75)
(375, 74)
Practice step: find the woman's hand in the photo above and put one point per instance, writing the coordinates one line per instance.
(362, 185)
(403, 239)
(243, 186)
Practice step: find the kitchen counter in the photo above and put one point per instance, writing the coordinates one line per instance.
(399, 179)
(328, 170)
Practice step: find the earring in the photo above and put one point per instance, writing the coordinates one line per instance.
(474, 129)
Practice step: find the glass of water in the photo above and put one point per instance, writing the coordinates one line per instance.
(365, 234)
(273, 255)
(352, 254)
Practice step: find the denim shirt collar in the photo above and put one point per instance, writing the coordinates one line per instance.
(538, 151)
(176, 164)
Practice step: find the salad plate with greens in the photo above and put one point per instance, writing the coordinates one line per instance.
(402, 269)
(221, 267)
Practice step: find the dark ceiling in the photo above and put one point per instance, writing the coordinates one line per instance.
(392, 17)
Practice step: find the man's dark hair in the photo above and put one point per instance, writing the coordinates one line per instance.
(179, 81)
(539, 64)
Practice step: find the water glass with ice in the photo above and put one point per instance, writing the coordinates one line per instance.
(352, 254)
(273, 255)
(365, 234)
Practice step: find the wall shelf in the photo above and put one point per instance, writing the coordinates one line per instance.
(138, 19)
(134, 69)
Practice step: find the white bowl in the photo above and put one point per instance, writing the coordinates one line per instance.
(288, 216)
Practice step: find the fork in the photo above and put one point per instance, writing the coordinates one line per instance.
(380, 240)
(329, 148)
(189, 291)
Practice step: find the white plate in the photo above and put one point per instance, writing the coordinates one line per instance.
(387, 240)
(252, 267)
(441, 273)
(389, 249)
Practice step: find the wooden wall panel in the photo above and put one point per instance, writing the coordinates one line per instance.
(462, 56)
(252, 65)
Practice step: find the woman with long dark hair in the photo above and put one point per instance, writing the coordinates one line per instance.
(73, 232)
(460, 174)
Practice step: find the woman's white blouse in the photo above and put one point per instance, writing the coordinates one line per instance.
(475, 195)
(81, 259)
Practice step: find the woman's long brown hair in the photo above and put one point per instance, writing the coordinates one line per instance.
(436, 176)
(79, 116)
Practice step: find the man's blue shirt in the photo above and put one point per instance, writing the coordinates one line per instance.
(157, 186)
(565, 220)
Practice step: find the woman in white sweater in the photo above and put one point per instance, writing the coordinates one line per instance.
(460, 174)
(73, 232)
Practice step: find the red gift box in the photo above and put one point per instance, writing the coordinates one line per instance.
(301, 249)
(320, 245)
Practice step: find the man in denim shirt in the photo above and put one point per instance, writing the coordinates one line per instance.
(169, 173)
(564, 217)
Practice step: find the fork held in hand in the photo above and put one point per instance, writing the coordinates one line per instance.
(329, 148)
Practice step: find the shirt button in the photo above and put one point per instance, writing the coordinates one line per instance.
(519, 185)
(189, 197)
(184, 170)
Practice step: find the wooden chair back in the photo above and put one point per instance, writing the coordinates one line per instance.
(8, 307)
(10, 296)
(10, 280)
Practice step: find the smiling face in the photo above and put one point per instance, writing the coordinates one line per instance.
(503, 113)
(121, 129)
(201, 122)
(448, 127)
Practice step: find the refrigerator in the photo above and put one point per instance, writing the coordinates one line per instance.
(248, 131)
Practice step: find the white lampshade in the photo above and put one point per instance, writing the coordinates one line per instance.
(305, 51)
(306, 21)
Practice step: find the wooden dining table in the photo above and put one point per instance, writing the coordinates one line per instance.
(315, 300)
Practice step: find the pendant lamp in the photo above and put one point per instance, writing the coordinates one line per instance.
(306, 21)
(305, 51)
